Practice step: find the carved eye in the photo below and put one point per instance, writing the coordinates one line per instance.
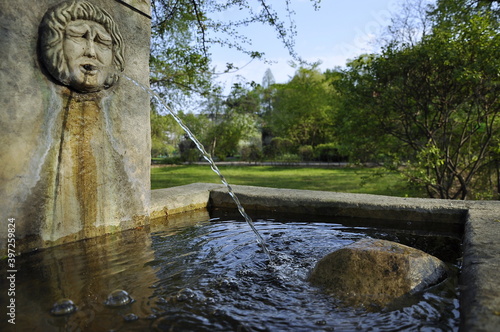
(103, 42)
(77, 35)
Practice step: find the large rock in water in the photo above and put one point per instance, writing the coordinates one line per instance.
(375, 272)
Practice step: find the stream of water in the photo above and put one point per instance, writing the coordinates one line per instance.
(168, 111)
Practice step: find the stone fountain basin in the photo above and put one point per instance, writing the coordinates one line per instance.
(479, 220)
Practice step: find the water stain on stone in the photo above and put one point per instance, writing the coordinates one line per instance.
(76, 182)
(83, 127)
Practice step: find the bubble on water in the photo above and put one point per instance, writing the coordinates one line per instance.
(131, 317)
(282, 258)
(246, 273)
(210, 300)
(63, 307)
(118, 298)
(229, 284)
(161, 300)
(185, 294)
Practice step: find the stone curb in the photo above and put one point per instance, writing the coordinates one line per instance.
(170, 201)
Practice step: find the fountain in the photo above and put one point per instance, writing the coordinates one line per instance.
(75, 139)
(75, 145)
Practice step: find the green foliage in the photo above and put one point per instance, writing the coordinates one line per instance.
(160, 148)
(306, 152)
(184, 31)
(168, 160)
(243, 100)
(251, 152)
(288, 158)
(278, 146)
(188, 152)
(198, 125)
(232, 121)
(432, 104)
(427, 106)
(357, 129)
(165, 134)
(301, 112)
(328, 153)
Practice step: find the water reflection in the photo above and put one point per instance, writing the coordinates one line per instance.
(84, 272)
(191, 274)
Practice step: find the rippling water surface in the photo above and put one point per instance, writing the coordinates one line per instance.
(211, 275)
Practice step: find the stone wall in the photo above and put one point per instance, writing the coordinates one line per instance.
(74, 165)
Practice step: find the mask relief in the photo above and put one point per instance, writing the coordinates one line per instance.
(81, 47)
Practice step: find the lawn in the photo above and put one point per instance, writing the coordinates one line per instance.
(348, 180)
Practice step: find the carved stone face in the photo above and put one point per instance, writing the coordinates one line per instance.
(88, 51)
(81, 47)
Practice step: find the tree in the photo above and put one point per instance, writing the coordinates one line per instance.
(267, 91)
(301, 111)
(231, 121)
(357, 131)
(198, 124)
(162, 144)
(411, 24)
(268, 79)
(438, 100)
(183, 31)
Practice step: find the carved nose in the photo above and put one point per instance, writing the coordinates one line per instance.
(90, 49)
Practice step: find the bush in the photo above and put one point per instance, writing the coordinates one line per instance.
(189, 152)
(288, 158)
(190, 155)
(251, 153)
(328, 153)
(160, 149)
(279, 146)
(306, 152)
(171, 160)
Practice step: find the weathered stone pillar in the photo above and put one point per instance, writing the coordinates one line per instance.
(75, 135)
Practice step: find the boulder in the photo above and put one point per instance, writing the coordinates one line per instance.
(374, 272)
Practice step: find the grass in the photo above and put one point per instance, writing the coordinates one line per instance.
(349, 180)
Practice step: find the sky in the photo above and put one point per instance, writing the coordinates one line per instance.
(338, 31)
